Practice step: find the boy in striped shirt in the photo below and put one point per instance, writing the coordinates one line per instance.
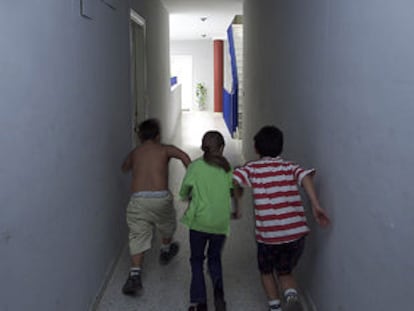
(280, 217)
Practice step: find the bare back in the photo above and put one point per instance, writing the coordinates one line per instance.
(149, 165)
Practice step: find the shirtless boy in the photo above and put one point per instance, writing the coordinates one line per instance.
(151, 202)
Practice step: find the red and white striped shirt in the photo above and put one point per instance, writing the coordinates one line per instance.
(280, 216)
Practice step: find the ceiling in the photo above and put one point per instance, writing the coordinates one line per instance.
(186, 15)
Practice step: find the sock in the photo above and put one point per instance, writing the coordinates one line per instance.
(275, 305)
(134, 271)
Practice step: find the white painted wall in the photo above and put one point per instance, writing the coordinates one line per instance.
(203, 64)
(65, 116)
(176, 98)
(338, 78)
(227, 74)
(182, 69)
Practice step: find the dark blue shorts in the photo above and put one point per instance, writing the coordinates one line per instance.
(281, 258)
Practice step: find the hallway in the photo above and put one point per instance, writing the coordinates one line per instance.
(167, 287)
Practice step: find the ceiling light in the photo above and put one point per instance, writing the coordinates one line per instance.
(203, 18)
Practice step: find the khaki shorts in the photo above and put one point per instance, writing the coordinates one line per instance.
(146, 213)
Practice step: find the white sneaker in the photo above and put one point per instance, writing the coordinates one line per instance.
(293, 303)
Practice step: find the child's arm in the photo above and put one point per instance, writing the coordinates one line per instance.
(174, 152)
(127, 164)
(320, 215)
(187, 185)
(237, 193)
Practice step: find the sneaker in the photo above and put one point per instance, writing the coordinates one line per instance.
(199, 307)
(293, 303)
(132, 285)
(275, 308)
(166, 256)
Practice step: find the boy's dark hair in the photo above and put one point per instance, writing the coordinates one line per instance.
(269, 141)
(211, 143)
(149, 129)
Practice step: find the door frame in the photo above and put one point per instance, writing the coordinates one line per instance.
(139, 112)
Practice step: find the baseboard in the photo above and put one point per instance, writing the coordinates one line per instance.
(107, 278)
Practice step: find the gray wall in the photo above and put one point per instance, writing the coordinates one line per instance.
(202, 52)
(338, 78)
(64, 130)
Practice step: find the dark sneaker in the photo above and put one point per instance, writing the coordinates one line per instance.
(132, 285)
(219, 302)
(166, 256)
(293, 303)
(199, 307)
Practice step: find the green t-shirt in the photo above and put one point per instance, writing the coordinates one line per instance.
(209, 188)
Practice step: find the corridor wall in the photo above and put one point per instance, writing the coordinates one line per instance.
(65, 127)
(338, 78)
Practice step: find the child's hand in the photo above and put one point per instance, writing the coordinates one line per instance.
(320, 216)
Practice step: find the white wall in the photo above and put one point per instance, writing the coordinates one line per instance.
(338, 78)
(176, 97)
(203, 64)
(182, 69)
(227, 73)
(65, 118)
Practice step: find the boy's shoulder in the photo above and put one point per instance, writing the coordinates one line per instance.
(267, 161)
(196, 163)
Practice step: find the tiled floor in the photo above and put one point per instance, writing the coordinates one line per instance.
(167, 287)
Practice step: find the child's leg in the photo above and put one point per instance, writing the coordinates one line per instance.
(198, 242)
(166, 241)
(166, 223)
(140, 236)
(136, 260)
(288, 259)
(140, 230)
(270, 286)
(139, 241)
(215, 247)
(290, 293)
(288, 285)
(266, 262)
(287, 281)
(133, 283)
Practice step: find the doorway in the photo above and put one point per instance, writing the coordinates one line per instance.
(138, 72)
